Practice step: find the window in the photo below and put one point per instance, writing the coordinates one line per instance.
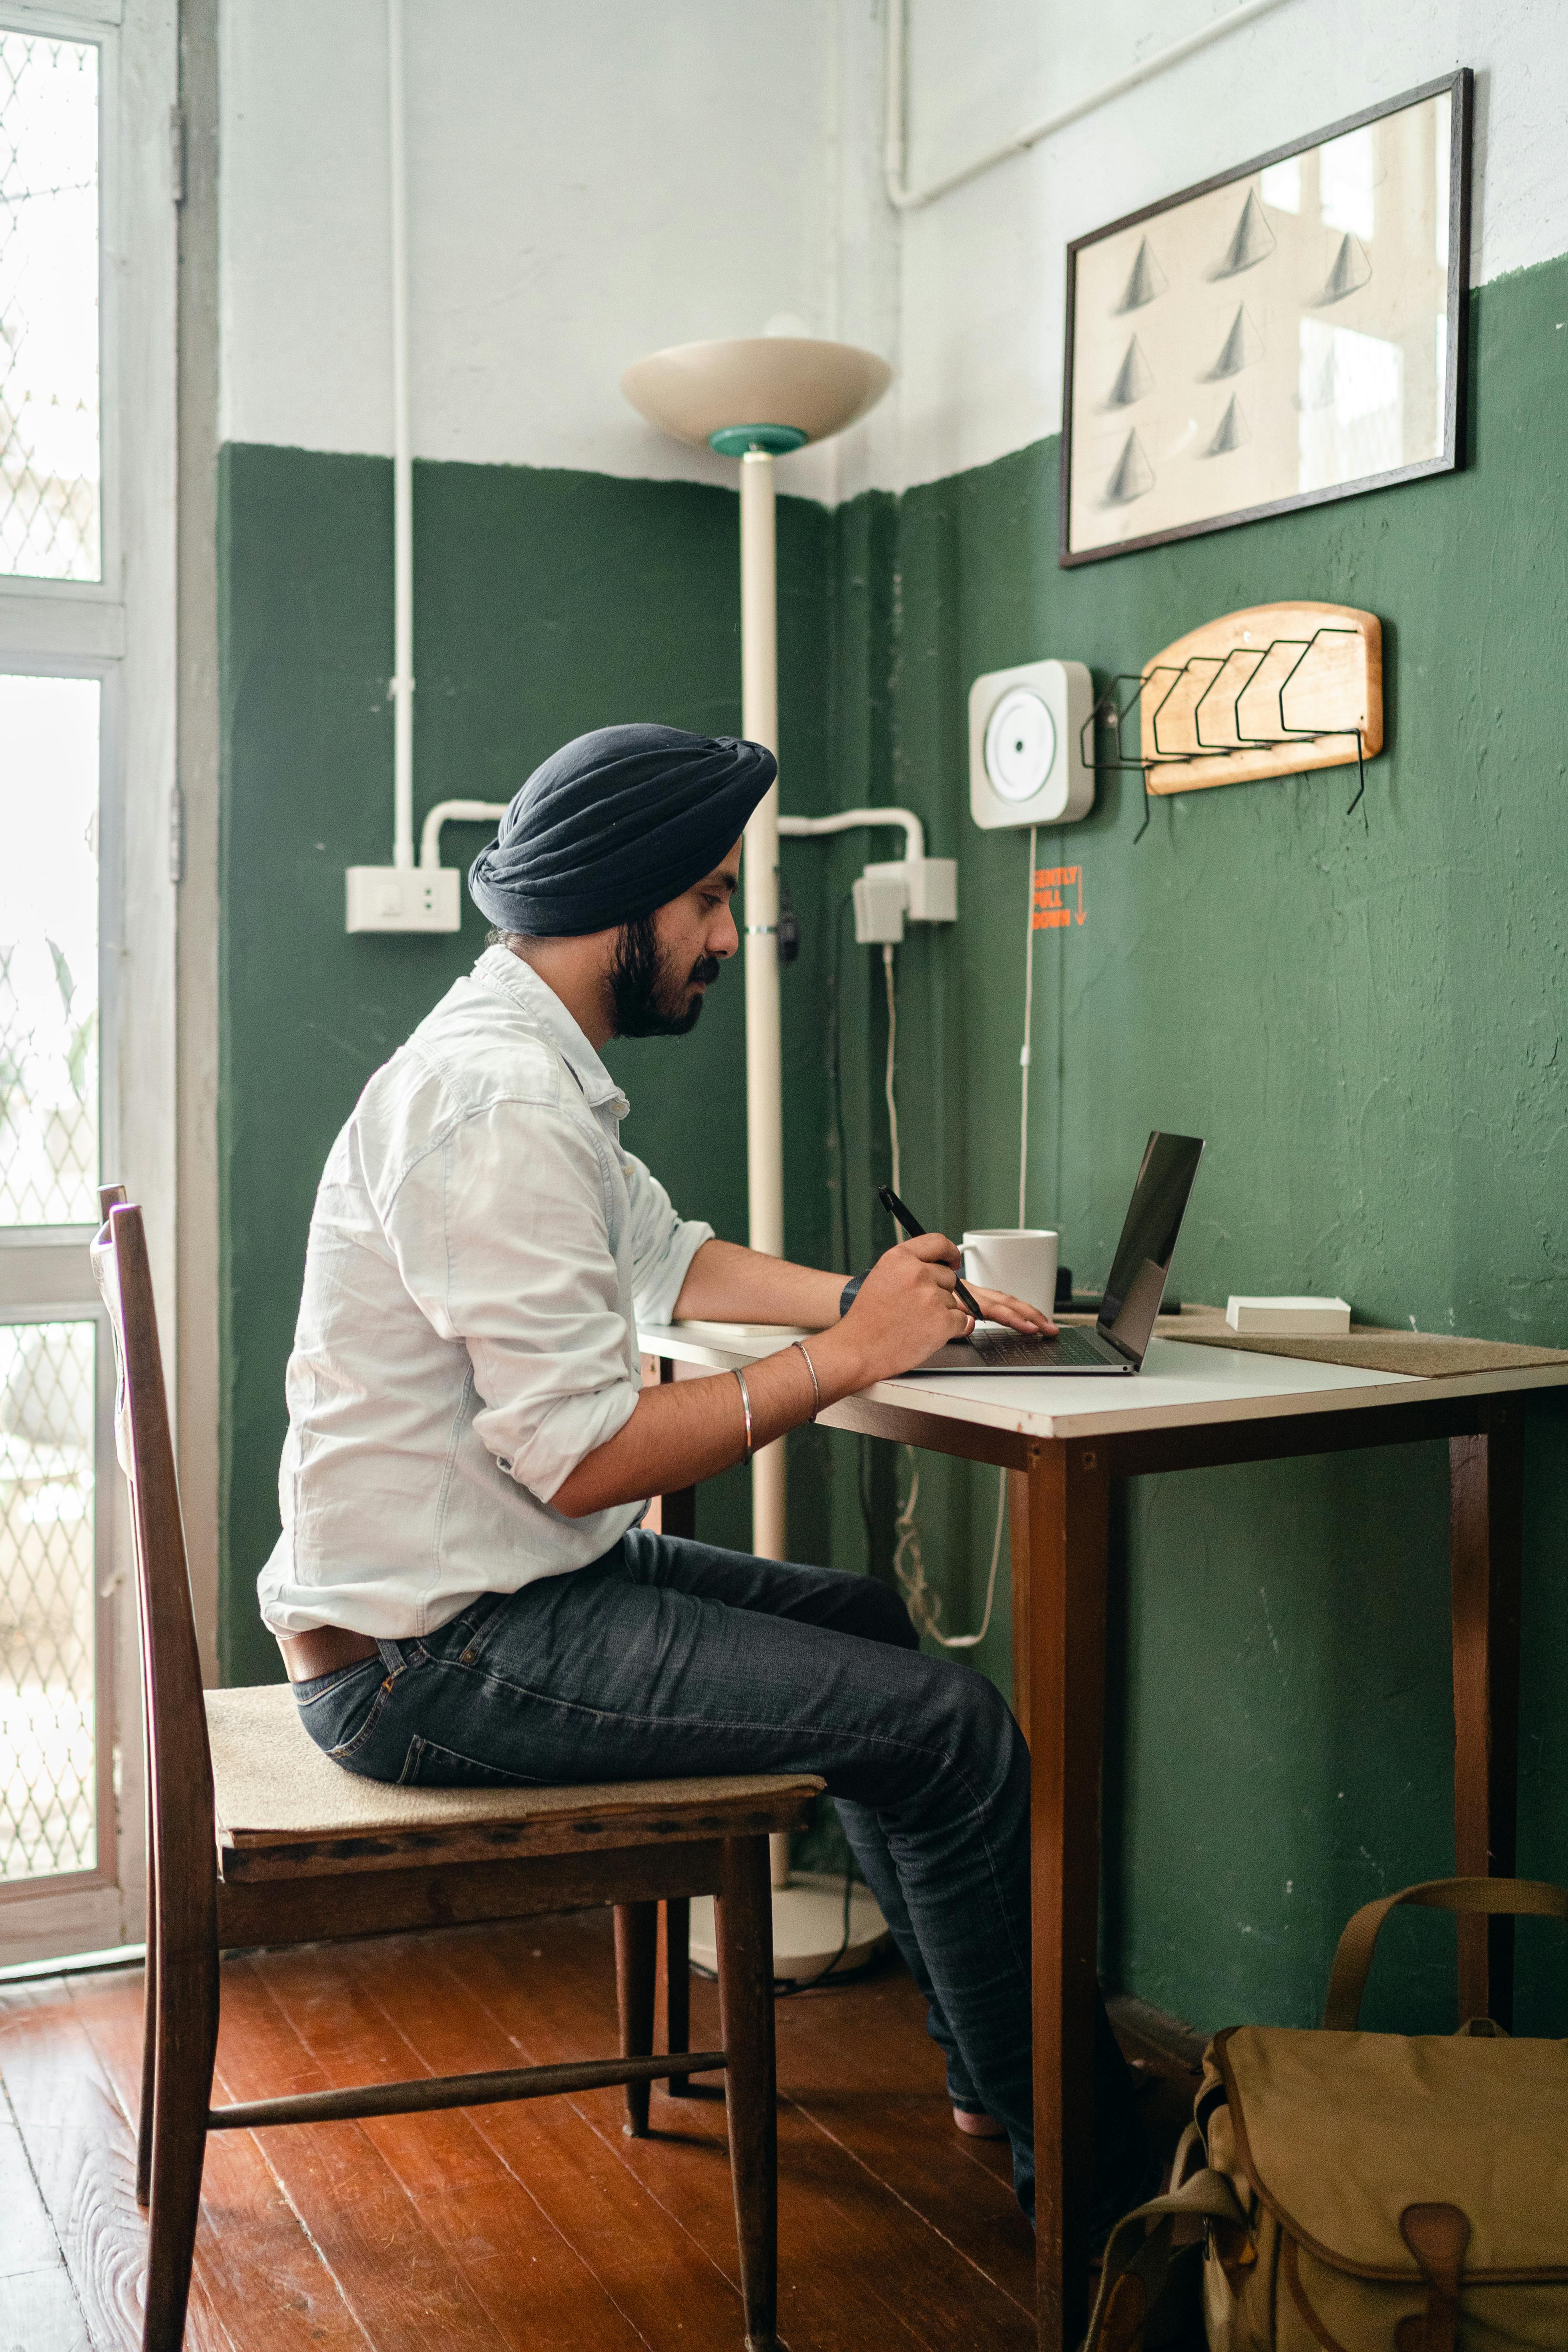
(50, 471)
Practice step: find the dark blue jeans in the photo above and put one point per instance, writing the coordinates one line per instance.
(668, 1658)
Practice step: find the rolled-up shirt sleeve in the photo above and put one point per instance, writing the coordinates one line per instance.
(663, 1244)
(502, 1236)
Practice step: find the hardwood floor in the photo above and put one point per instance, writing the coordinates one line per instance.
(537, 2225)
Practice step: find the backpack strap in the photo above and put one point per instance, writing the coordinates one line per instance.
(1137, 2259)
(1352, 1961)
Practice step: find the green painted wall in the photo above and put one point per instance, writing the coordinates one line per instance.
(1363, 1015)
(1366, 1017)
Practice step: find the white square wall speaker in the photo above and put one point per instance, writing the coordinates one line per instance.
(1026, 764)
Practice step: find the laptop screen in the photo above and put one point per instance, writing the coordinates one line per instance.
(1142, 1261)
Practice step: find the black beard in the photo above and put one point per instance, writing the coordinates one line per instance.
(646, 998)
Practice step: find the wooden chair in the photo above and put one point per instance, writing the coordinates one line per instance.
(257, 1838)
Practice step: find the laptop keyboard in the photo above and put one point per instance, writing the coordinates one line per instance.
(1025, 1355)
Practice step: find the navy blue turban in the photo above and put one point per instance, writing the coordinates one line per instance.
(615, 823)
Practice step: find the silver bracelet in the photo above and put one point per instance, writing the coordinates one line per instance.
(811, 1367)
(746, 1408)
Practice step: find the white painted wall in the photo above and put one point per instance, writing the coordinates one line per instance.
(981, 272)
(587, 183)
(593, 182)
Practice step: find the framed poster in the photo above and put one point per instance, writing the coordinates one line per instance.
(1289, 333)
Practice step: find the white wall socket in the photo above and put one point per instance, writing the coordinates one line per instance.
(919, 889)
(1026, 764)
(404, 899)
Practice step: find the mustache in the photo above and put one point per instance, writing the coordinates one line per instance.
(705, 970)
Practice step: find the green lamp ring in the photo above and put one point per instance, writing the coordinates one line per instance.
(777, 440)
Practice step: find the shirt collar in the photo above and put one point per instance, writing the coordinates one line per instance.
(498, 968)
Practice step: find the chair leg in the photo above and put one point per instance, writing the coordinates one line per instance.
(636, 1965)
(678, 1986)
(186, 2043)
(149, 2043)
(745, 1937)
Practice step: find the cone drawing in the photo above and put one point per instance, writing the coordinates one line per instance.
(1232, 432)
(1243, 346)
(1133, 475)
(1351, 272)
(1147, 279)
(1134, 377)
(1252, 240)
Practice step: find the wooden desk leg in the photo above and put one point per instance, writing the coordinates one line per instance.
(1019, 1559)
(678, 1512)
(1063, 1675)
(1486, 1482)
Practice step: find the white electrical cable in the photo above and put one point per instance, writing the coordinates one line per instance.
(1028, 1025)
(402, 686)
(923, 1603)
(888, 1094)
(904, 198)
(909, 1564)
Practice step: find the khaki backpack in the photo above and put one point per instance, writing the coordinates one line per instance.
(1364, 2192)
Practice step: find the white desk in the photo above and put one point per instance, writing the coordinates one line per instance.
(1063, 1441)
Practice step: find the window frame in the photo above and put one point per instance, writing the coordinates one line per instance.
(120, 629)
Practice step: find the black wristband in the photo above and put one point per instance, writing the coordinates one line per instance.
(850, 1292)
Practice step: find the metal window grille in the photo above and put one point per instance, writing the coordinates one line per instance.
(48, 1732)
(50, 463)
(48, 950)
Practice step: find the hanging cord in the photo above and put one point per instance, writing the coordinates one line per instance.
(969, 1641)
(840, 1150)
(909, 1563)
(892, 1064)
(1029, 1029)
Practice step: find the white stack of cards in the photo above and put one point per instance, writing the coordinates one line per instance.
(1288, 1318)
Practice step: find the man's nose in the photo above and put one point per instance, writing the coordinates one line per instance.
(726, 939)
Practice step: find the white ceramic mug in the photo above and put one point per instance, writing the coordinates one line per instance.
(1018, 1258)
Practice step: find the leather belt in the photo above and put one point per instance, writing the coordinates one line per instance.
(323, 1651)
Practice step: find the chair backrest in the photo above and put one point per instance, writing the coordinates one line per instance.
(179, 1761)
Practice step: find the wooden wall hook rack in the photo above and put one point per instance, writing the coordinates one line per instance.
(1271, 691)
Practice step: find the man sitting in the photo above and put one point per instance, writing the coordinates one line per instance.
(462, 1590)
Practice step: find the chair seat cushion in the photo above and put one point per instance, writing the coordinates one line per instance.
(284, 1807)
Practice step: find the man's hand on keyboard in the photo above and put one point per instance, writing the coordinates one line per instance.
(1001, 1307)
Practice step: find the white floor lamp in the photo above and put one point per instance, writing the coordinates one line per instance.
(757, 399)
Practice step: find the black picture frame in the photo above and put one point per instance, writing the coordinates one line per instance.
(1460, 88)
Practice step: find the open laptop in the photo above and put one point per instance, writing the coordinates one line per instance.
(1119, 1340)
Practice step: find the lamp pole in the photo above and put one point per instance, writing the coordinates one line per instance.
(698, 390)
(760, 868)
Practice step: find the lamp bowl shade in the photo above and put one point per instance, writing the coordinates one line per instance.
(696, 390)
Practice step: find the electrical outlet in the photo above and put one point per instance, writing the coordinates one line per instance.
(916, 890)
(880, 896)
(934, 889)
(404, 899)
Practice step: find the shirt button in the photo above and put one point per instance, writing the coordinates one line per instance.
(501, 1462)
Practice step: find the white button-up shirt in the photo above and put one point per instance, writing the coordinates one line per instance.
(480, 1248)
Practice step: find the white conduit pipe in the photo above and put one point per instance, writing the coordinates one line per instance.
(905, 199)
(402, 688)
(802, 827)
(455, 813)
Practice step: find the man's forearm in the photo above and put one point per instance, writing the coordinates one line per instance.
(685, 1431)
(726, 1284)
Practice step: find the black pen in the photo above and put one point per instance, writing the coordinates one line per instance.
(911, 1225)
